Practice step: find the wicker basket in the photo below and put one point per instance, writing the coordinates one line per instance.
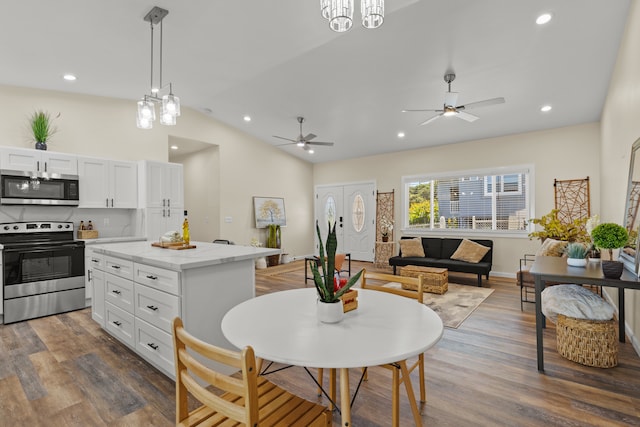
(588, 342)
(435, 280)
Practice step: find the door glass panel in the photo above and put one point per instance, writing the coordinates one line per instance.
(330, 211)
(358, 213)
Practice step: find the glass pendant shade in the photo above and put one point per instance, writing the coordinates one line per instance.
(324, 8)
(372, 13)
(340, 15)
(167, 119)
(146, 110)
(143, 123)
(171, 105)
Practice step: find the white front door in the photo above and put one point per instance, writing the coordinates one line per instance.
(352, 207)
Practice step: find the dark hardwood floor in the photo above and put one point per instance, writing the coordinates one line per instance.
(65, 371)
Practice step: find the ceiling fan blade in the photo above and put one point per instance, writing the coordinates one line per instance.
(328, 144)
(420, 111)
(309, 137)
(485, 103)
(286, 139)
(450, 98)
(466, 116)
(431, 119)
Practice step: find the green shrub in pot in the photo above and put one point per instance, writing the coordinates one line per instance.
(609, 236)
(576, 250)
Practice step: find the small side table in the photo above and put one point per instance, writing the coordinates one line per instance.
(347, 257)
(384, 251)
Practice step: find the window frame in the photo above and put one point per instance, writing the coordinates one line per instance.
(463, 175)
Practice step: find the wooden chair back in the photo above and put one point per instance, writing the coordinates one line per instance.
(188, 369)
(376, 281)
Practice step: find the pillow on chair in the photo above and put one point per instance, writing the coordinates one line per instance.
(552, 247)
(411, 247)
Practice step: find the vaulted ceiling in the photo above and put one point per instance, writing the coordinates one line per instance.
(276, 60)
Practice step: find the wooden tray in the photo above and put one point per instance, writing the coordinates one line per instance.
(87, 234)
(175, 246)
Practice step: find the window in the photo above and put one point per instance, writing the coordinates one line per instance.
(358, 213)
(487, 201)
(330, 211)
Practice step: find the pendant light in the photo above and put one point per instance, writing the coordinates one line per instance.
(339, 13)
(170, 103)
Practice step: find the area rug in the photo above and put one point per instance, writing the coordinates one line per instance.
(456, 304)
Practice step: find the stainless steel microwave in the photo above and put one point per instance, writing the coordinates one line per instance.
(22, 188)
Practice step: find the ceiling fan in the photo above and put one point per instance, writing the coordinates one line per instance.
(451, 109)
(304, 141)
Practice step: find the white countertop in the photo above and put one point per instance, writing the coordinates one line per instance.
(205, 254)
(100, 240)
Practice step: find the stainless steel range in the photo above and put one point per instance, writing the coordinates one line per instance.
(42, 269)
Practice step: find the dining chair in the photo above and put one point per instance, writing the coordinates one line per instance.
(247, 398)
(401, 372)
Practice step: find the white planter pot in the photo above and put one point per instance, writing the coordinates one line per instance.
(577, 262)
(330, 312)
(261, 263)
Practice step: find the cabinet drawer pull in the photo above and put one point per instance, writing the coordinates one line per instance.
(152, 345)
(152, 277)
(115, 322)
(117, 267)
(95, 260)
(152, 307)
(117, 292)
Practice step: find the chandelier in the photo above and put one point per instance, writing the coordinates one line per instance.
(340, 13)
(170, 109)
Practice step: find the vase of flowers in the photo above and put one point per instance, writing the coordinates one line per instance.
(330, 288)
(386, 227)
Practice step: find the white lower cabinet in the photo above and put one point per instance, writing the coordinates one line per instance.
(156, 307)
(120, 324)
(97, 303)
(155, 345)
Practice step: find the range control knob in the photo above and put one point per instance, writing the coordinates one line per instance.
(6, 227)
(15, 227)
(67, 226)
(60, 226)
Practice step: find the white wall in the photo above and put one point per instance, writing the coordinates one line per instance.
(105, 127)
(565, 153)
(620, 128)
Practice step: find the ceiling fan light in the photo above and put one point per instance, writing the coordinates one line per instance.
(300, 143)
(340, 15)
(449, 111)
(372, 13)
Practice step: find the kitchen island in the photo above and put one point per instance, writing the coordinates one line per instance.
(138, 289)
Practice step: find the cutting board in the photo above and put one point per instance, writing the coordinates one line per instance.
(175, 246)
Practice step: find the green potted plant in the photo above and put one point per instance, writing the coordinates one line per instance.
(42, 128)
(553, 228)
(329, 290)
(576, 254)
(610, 236)
(274, 234)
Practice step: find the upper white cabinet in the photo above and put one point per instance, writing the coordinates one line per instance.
(162, 185)
(27, 160)
(107, 183)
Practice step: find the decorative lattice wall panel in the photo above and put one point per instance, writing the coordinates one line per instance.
(384, 213)
(572, 199)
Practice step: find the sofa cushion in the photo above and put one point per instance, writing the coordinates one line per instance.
(432, 247)
(552, 247)
(470, 251)
(411, 247)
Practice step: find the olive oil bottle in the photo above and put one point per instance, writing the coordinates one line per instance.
(185, 230)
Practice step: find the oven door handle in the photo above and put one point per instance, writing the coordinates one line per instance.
(48, 248)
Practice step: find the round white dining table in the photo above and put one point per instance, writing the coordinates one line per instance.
(283, 327)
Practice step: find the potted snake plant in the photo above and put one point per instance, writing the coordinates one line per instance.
(329, 290)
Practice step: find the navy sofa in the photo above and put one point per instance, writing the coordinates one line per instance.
(438, 251)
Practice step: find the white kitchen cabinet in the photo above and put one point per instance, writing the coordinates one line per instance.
(161, 196)
(27, 160)
(107, 183)
(97, 302)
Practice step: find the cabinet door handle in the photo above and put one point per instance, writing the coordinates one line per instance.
(117, 267)
(169, 212)
(164, 201)
(152, 345)
(164, 213)
(38, 166)
(88, 275)
(106, 202)
(168, 203)
(152, 307)
(115, 322)
(152, 277)
(111, 202)
(117, 292)
(45, 166)
(95, 260)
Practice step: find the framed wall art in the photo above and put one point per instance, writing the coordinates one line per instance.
(269, 210)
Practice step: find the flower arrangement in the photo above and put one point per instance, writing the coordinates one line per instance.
(329, 289)
(386, 226)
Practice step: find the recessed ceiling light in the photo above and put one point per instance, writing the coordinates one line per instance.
(545, 108)
(174, 147)
(543, 19)
(69, 77)
(400, 134)
(247, 118)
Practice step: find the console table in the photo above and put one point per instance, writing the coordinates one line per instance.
(555, 269)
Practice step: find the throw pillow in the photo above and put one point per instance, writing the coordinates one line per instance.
(552, 247)
(470, 251)
(411, 247)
